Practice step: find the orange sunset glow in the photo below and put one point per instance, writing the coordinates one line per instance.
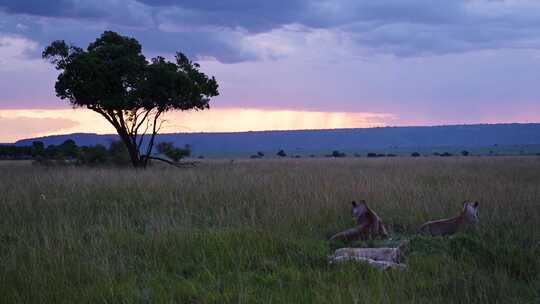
(20, 124)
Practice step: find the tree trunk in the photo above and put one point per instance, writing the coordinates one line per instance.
(133, 151)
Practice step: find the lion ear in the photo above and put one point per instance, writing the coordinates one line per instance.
(354, 203)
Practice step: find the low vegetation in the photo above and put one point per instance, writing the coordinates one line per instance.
(256, 231)
(68, 153)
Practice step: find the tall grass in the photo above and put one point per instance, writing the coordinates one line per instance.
(256, 232)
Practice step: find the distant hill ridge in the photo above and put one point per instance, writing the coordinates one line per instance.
(324, 141)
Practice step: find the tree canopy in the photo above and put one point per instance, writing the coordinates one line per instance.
(113, 78)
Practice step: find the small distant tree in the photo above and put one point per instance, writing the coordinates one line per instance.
(415, 154)
(38, 149)
(260, 154)
(52, 152)
(118, 153)
(465, 153)
(113, 78)
(281, 153)
(336, 153)
(68, 149)
(371, 154)
(94, 155)
(176, 154)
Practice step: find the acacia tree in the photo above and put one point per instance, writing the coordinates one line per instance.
(113, 78)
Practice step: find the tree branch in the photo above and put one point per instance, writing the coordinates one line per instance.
(178, 165)
(154, 132)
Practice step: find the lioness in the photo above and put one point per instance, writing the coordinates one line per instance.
(369, 224)
(467, 217)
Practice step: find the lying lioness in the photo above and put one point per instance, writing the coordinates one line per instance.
(393, 255)
(467, 217)
(369, 224)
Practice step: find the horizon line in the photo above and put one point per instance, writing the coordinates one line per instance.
(283, 131)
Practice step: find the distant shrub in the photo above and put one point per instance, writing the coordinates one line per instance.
(68, 149)
(168, 149)
(371, 154)
(446, 154)
(260, 154)
(415, 154)
(92, 156)
(336, 153)
(119, 154)
(281, 153)
(38, 149)
(465, 153)
(391, 155)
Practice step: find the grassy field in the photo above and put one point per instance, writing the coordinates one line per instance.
(256, 232)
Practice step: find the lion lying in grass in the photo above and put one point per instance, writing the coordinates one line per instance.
(369, 224)
(467, 217)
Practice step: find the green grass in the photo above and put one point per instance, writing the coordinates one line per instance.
(256, 232)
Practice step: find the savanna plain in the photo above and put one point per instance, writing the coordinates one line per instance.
(256, 231)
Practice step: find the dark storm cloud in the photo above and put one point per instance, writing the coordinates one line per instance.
(59, 8)
(217, 28)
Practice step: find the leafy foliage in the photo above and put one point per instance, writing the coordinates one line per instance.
(174, 153)
(113, 78)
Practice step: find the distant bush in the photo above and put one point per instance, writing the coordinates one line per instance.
(415, 154)
(93, 156)
(69, 153)
(446, 154)
(260, 154)
(176, 154)
(119, 154)
(38, 149)
(371, 154)
(336, 153)
(281, 153)
(465, 153)
(15, 152)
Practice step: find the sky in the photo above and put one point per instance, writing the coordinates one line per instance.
(297, 64)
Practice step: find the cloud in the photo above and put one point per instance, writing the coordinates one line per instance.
(19, 124)
(15, 51)
(126, 12)
(14, 128)
(402, 28)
